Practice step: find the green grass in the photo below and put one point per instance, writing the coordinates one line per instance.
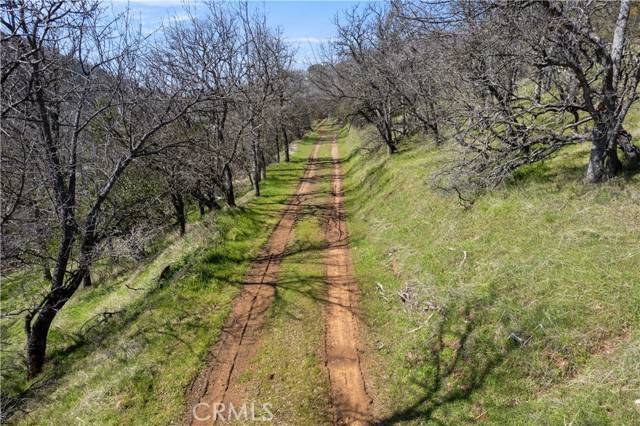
(286, 371)
(134, 366)
(520, 310)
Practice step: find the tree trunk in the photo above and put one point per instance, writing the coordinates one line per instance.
(286, 144)
(37, 330)
(201, 207)
(595, 170)
(256, 182)
(86, 281)
(607, 133)
(46, 272)
(277, 146)
(391, 145)
(603, 160)
(433, 123)
(37, 341)
(229, 194)
(178, 205)
(391, 149)
(250, 176)
(618, 42)
(631, 152)
(256, 168)
(383, 125)
(539, 83)
(263, 166)
(436, 133)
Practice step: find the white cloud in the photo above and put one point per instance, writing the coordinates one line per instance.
(313, 40)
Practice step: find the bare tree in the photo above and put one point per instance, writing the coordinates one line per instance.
(357, 69)
(91, 105)
(607, 74)
(268, 59)
(242, 65)
(522, 80)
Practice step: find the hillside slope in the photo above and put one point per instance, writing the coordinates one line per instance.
(520, 310)
(126, 350)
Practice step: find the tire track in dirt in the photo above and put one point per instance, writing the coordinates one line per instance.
(239, 337)
(350, 400)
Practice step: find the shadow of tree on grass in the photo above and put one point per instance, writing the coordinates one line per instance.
(457, 363)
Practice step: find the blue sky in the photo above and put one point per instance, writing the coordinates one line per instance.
(305, 24)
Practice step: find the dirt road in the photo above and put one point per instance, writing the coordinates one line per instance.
(349, 394)
(215, 388)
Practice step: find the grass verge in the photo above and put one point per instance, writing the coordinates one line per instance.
(520, 310)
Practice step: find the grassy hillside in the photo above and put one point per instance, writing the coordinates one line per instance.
(125, 351)
(520, 310)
